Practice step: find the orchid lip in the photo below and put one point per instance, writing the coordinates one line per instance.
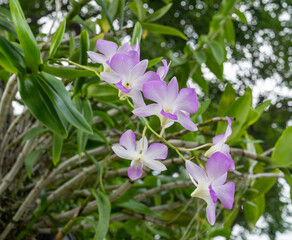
(168, 115)
(121, 87)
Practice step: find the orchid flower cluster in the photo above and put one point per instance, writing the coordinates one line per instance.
(123, 68)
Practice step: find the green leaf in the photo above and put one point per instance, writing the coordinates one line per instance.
(30, 161)
(217, 51)
(239, 110)
(288, 178)
(227, 98)
(137, 34)
(281, 156)
(4, 62)
(137, 7)
(66, 72)
(253, 210)
(203, 108)
(226, 7)
(259, 187)
(57, 148)
(161, 29)
(27, 41)
(137, 207)
(229, 32)
(84, 47)
(59, 96)
(57, 38)
(11, 57)
(200, 80)
(82, 137)
(220, 232)
(261, 108)
(8, 26)
(104, 212)
(154, 61)
(33, 133)
(200, 56)
(140, 9)
(254, 114)
(241, 16)
(106, 118)
(159, 13)
(104, 8)
(103, 93)
(40, 105)
(213, 65)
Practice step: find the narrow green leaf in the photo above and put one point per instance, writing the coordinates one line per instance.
(281, 156)
(106, 118)
(82, 137)
(40, 105)
(200, 56)
(84, 47)
(241, 16)
(72, 45)
(217, 51)
(33, 133)
(103, 93)
(203, 108)
(229, 32)
(253, 210)
(104, 8)
(12, 56)
(104, 212)
(60, 97)
(57, 148)
(8, 26)
(159, 13)
(226, 7)
(137, 34)
(161, 29)
(227, 98)
(27, 40)
(137, 207)
(57, 38)
(7, 65)
(154, 61)
(30, 161)
(140, 9)
(66, 72)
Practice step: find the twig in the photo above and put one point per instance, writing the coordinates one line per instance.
(30, 198)
(9, 177)
(164, 187)
(207, 122)
(7, 99)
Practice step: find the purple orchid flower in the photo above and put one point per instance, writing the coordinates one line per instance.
(220, 146)
(211, 186)
(163, 70)
(129, 75)
(140, 155)
(171, 106)
(108, 49)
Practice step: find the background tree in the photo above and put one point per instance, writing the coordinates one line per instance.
(56, 193)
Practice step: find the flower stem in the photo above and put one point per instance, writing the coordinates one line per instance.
(196, 148)
(143, 136)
